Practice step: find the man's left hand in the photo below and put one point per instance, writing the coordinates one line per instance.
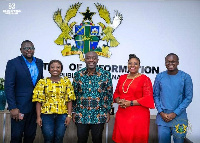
(171, 116)
(108, 117)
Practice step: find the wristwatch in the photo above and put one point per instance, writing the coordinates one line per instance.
(131, 103)
(70, 116)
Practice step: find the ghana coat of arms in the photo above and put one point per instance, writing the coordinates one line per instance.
(87, 35)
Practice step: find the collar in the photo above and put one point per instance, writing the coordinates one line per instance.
(34, 59)
(95, 73)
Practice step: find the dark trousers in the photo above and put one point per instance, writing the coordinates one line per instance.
(83, 132)
(25, 128)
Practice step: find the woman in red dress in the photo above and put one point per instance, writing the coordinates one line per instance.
(134, 94)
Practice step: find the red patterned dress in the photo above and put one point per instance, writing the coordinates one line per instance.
(132, 123)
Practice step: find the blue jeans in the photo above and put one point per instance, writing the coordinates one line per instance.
(53, 127)
(83, 132)
(164, 135)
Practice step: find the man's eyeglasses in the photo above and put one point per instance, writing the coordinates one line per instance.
(28, 48)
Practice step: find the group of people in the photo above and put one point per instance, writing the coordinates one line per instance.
(54, 101)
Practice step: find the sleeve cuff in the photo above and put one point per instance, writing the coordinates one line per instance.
(13, 107)
(177, 112)
(160, 110)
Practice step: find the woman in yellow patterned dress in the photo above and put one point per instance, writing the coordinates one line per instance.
(54, 97)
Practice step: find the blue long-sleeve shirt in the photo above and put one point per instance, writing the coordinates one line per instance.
(172, 94)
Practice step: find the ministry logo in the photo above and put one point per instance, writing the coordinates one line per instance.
(11, 9)
(87, 35)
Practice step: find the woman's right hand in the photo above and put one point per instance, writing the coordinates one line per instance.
(118, 101)
(123, 103)
(39, 121)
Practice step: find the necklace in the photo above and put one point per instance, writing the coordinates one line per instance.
(128, 84)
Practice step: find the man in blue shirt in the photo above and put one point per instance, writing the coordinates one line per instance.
(173, 92)
(94, 95)
(21, 76)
